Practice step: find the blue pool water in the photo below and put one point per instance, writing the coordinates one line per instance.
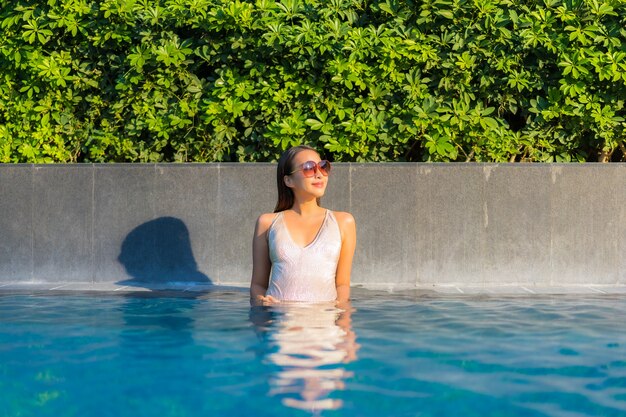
(394, 355)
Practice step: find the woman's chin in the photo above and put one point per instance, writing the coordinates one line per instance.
(318, 193)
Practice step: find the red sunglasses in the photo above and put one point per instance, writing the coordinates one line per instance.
(310, 167)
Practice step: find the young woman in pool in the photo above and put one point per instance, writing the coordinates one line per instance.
(302, 252)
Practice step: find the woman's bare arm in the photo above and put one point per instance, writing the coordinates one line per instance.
(261, 264)
(347, 225)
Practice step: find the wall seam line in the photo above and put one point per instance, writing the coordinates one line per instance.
(153, 203)
(416, 205)
(552, 182)
(216, 229)
(153, 190)
(484, 180)
(350, 187)
(616, 235)
(93, 223)
(32, 222)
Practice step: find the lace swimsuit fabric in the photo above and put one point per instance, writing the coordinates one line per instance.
(304, 273)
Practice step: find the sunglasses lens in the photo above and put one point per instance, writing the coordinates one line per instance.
(324, 167)
(308, 169)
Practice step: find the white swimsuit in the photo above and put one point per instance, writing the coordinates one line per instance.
(304, 273)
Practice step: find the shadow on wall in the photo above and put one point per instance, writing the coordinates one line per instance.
(159, 251)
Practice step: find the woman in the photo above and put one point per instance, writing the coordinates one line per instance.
(302, 252)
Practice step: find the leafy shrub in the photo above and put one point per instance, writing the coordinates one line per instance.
(211, 80)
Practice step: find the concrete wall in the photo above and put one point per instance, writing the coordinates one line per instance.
(418, 224)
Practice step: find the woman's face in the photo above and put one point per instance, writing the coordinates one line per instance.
(315, 185)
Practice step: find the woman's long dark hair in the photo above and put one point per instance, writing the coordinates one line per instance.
(285, 167)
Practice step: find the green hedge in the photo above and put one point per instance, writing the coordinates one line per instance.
(210, 80)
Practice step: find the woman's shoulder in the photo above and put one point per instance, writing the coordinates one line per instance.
(343, 218)
(264, 221)
(346, 223)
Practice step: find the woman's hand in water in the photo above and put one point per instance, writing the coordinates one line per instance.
(265, 300)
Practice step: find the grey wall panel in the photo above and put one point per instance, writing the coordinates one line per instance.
(124, 202)
(517, 224)
(187, 193)
(245, 192)
(63, 223)
(384, 199)
(585, 223)
(454, 221)
(16, 223)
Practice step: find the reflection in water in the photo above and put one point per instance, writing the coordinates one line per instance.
(308, 343)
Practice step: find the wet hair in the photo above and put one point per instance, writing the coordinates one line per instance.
(285, 167)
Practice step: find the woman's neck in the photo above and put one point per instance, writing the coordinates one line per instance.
(306, 208)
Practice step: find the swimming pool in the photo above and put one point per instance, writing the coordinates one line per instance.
(175, 354)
